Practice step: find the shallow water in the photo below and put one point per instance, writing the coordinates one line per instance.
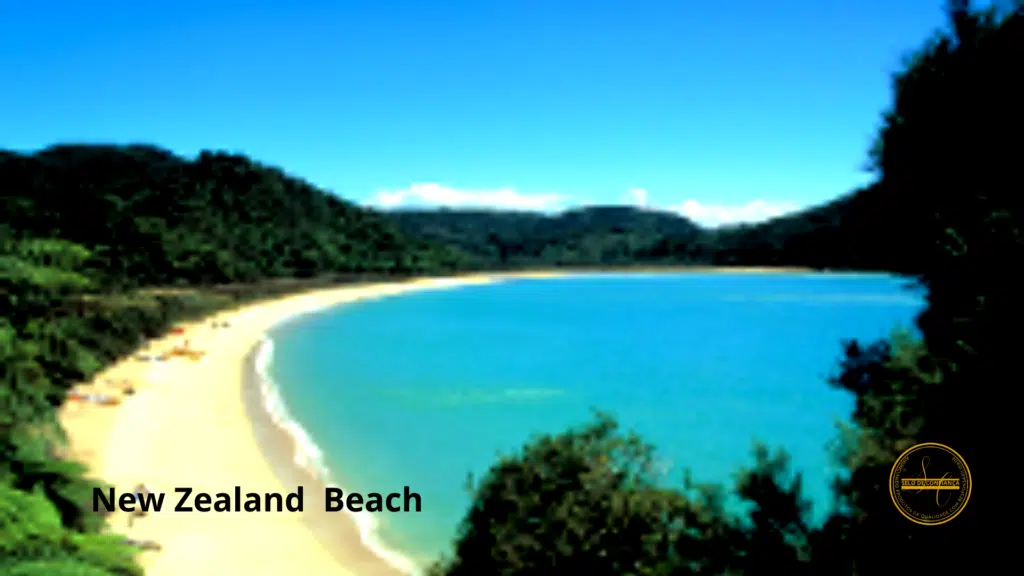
(423, 389)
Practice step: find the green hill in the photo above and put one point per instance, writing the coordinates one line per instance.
(81, 224)
(151, 217)
(599, 235)
(81, 228)
(851, 232)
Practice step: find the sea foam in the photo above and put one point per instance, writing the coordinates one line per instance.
(309, 457)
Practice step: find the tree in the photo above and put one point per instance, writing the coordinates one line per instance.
(948, 175)
(942, 155)
(588, 501)
(34, 542)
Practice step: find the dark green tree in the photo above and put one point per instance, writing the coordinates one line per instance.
(950, 181)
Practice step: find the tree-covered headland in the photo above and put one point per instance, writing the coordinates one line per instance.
(91, 237)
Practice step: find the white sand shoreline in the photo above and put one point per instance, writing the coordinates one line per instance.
(187, 426)
(298, 461)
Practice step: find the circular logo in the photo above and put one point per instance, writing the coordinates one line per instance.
(930, 484)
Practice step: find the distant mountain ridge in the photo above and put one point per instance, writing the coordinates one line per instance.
(590, 235)
(850, 232)
(152, 217)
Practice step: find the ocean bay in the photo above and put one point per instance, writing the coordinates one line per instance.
(427, 388)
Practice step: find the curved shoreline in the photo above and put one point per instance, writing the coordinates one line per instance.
(296, 460)
(189, 425)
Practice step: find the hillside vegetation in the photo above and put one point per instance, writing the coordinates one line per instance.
(853, 232)
(151, 217)
(84, 227)
(585, 501)
(600, 235)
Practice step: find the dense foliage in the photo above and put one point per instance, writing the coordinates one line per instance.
(52, 336)
(86, 228)
(580, 501)
(604, 235)
(854, 232)
(151, 217)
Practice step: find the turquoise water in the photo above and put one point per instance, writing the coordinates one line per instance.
(426, 388)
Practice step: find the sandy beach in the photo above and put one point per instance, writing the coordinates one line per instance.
(191, 424)
(186, 425)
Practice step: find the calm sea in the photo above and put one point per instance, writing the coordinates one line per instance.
(423, 389)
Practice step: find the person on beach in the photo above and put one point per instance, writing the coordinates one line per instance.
(141, 492)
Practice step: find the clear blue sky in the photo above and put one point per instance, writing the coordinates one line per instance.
(719, 102)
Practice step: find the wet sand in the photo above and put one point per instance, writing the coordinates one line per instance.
(201, 424)
(192, 424)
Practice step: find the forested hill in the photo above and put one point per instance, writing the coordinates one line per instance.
(151, 217)
(855, 231)
(613, 235)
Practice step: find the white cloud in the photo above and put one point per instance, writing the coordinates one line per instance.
(637, 197)
(723, 214)
(430, 195)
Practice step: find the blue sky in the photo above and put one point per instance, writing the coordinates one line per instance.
(724, 110)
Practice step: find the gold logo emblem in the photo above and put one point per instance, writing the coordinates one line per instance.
(930, 484)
